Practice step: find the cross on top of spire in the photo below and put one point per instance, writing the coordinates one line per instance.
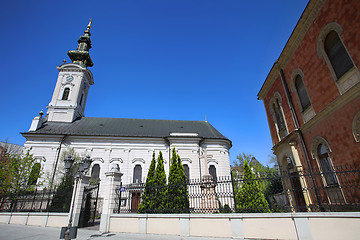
(89, 25)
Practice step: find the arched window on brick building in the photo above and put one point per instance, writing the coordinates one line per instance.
(278, 116)
(332, 49)
(337, 54)
(302, 93)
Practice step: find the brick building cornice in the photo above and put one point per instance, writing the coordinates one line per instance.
(301, 28)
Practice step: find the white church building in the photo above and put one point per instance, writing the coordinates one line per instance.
(127, 142)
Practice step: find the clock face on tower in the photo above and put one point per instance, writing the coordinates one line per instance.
(69, 78)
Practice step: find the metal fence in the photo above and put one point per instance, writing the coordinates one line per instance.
(36, 201)
(291, 191)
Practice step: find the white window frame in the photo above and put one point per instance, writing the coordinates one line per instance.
(349, 79)
(309, 112)
(273, 100)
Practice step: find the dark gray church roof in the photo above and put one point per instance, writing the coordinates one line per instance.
(125, 127)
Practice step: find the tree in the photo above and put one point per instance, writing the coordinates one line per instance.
(62, 198)
(178, 198)
(250, 197)
(160, 185)
(183, 191)
(148, 198)
(273, 161)
(238, 164)
(19, 174)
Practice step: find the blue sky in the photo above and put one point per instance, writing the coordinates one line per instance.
(168, 59)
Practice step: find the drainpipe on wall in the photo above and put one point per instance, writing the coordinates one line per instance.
(297, 126)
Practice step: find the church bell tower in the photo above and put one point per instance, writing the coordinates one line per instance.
(73, 83)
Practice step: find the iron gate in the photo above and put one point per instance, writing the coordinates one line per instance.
(89, 206)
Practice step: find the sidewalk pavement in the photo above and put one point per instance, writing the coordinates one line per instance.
(19, 232)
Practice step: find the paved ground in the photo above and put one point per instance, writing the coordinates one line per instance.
(17, 232)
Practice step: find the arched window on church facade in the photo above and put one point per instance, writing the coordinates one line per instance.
(137, 174)
(65, 95)
(212, 172)
(95, 172)
(186, 171)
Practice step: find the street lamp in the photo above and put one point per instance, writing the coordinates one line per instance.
(68, 162)
(84, 166)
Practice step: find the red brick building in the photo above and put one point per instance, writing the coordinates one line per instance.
(312, 101)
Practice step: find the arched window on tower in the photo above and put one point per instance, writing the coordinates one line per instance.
(212, 172)
(186, 171)
(66, 94)
(137, 174)
(337, 54)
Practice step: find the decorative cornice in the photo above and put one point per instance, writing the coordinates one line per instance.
(186, 160)
(98, 159)
(138, 160)
(67, 83)
(307, 18)
(116, 160)
(212, 160)
(40, 158)
(285, 140)
(74, 67)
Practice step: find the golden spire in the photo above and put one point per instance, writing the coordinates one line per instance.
(89, 25)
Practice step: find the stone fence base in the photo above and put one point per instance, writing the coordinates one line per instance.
(243, 226)
(35, 219)
(302, 226)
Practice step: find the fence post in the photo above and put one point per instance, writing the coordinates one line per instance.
(111, 183)
(83, 181)
(96, 201)
(233, 190)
